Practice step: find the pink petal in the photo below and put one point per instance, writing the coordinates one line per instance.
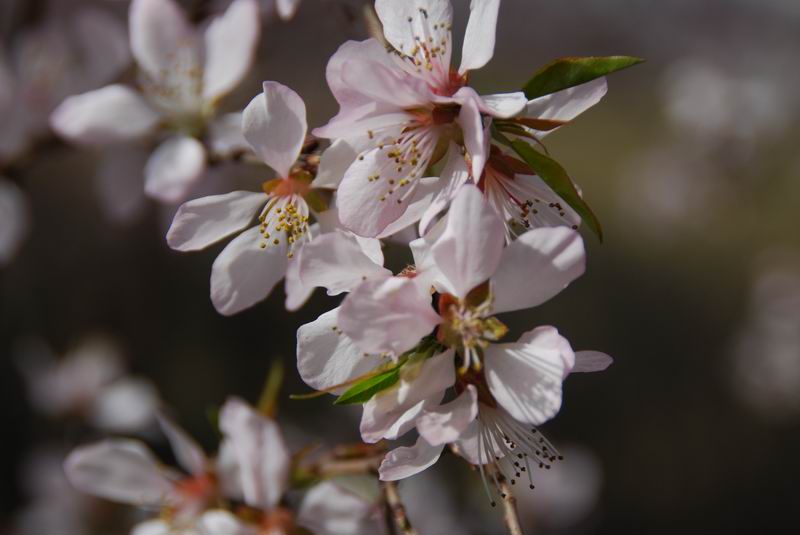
(468, 252)
(330, 509)
(108, 115)
(504, 105)
(591, 361)
(174, 168)
(387, 316)
(479, 38)
(537, 266)
(274, 123)
(567, 104)
(403, 462)
(230, 43)
(445, 423)
(471, 122)
(187, 451)
(158, 29)
(525, 378)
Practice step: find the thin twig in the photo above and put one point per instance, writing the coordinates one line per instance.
(510, 515)
(398, 510)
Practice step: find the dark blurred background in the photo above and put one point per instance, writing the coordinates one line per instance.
(692, 164)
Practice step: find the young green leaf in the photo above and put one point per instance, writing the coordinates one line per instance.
(551, 172)
(571, 71)
(363, 391)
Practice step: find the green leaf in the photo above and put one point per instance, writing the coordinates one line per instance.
(559, 181)
(571, 71)
(363, 391)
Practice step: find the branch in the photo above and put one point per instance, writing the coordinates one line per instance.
(510, 515)
(398, 511)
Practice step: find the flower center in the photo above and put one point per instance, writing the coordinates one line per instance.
(284, 220)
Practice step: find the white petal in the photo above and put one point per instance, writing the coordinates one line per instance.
(336, 159)
(119, 470)
(385, 85)
(393, 412)
(454, 175)
(260, 451)
(287, 8)
(471, 122)
(152, 527)
(336, 262)
(401, 463)
(417, 205)
(187, 451)
(504, 105)
(536, 267)
(327, 357)
(158, 29)
(175, 166)
(329, 509)
(445, 423)
(244, 273)
(387, 316)
(201, 222)
(274, 123)
(525, 378)
(469, 250)
(297, 293)
(15, 215)
(230, 43)
(479, 38)
(404, 21)
(225, 137)
(473, 443)
(108, 115)
(567, 104)
(219, 522)
(127, 405)
(591, 361)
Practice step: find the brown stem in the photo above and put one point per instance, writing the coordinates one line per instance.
(510, 515)
(397, 508)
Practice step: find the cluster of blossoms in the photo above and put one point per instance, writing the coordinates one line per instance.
(414, 155)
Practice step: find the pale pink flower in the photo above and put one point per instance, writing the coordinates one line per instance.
(183, 72)
(401, 109)
(247, 269)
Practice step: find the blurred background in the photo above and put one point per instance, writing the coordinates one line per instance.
(691, 163)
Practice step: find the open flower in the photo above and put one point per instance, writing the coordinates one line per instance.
(402, 108)
(252, 469)
(183, 72)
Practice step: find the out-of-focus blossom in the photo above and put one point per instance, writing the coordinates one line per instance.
(14, 220)
(183, 73)
(713, 106)
(49, 62)
(252, 468)
(249, 267)
(766, 353)
(89, 382)
(400, 111)
(565, 495)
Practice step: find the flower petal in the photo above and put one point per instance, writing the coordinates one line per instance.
(225, 137)
(187, 451)
(404, 22)
(468, 252)
(119, 470)
(387, 316)
(536, 267)
(479, 38)
(525, 378)
(504, 105)
(297, 293)
(175, 166)
(445, 423)
(394, 411)
(152, 527)
(326, 357)
(336, 262)
(244, 273)
(202, 222)
(287, 8)
(107, 115)
(454, 175)
(220, 522)
(403, 462)
(230, 43)
(336, 159)
(158, 29)
(567, 104)
(471, 122)
(329, 509)
(591, 361)
(274, 123)
(260, 451)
